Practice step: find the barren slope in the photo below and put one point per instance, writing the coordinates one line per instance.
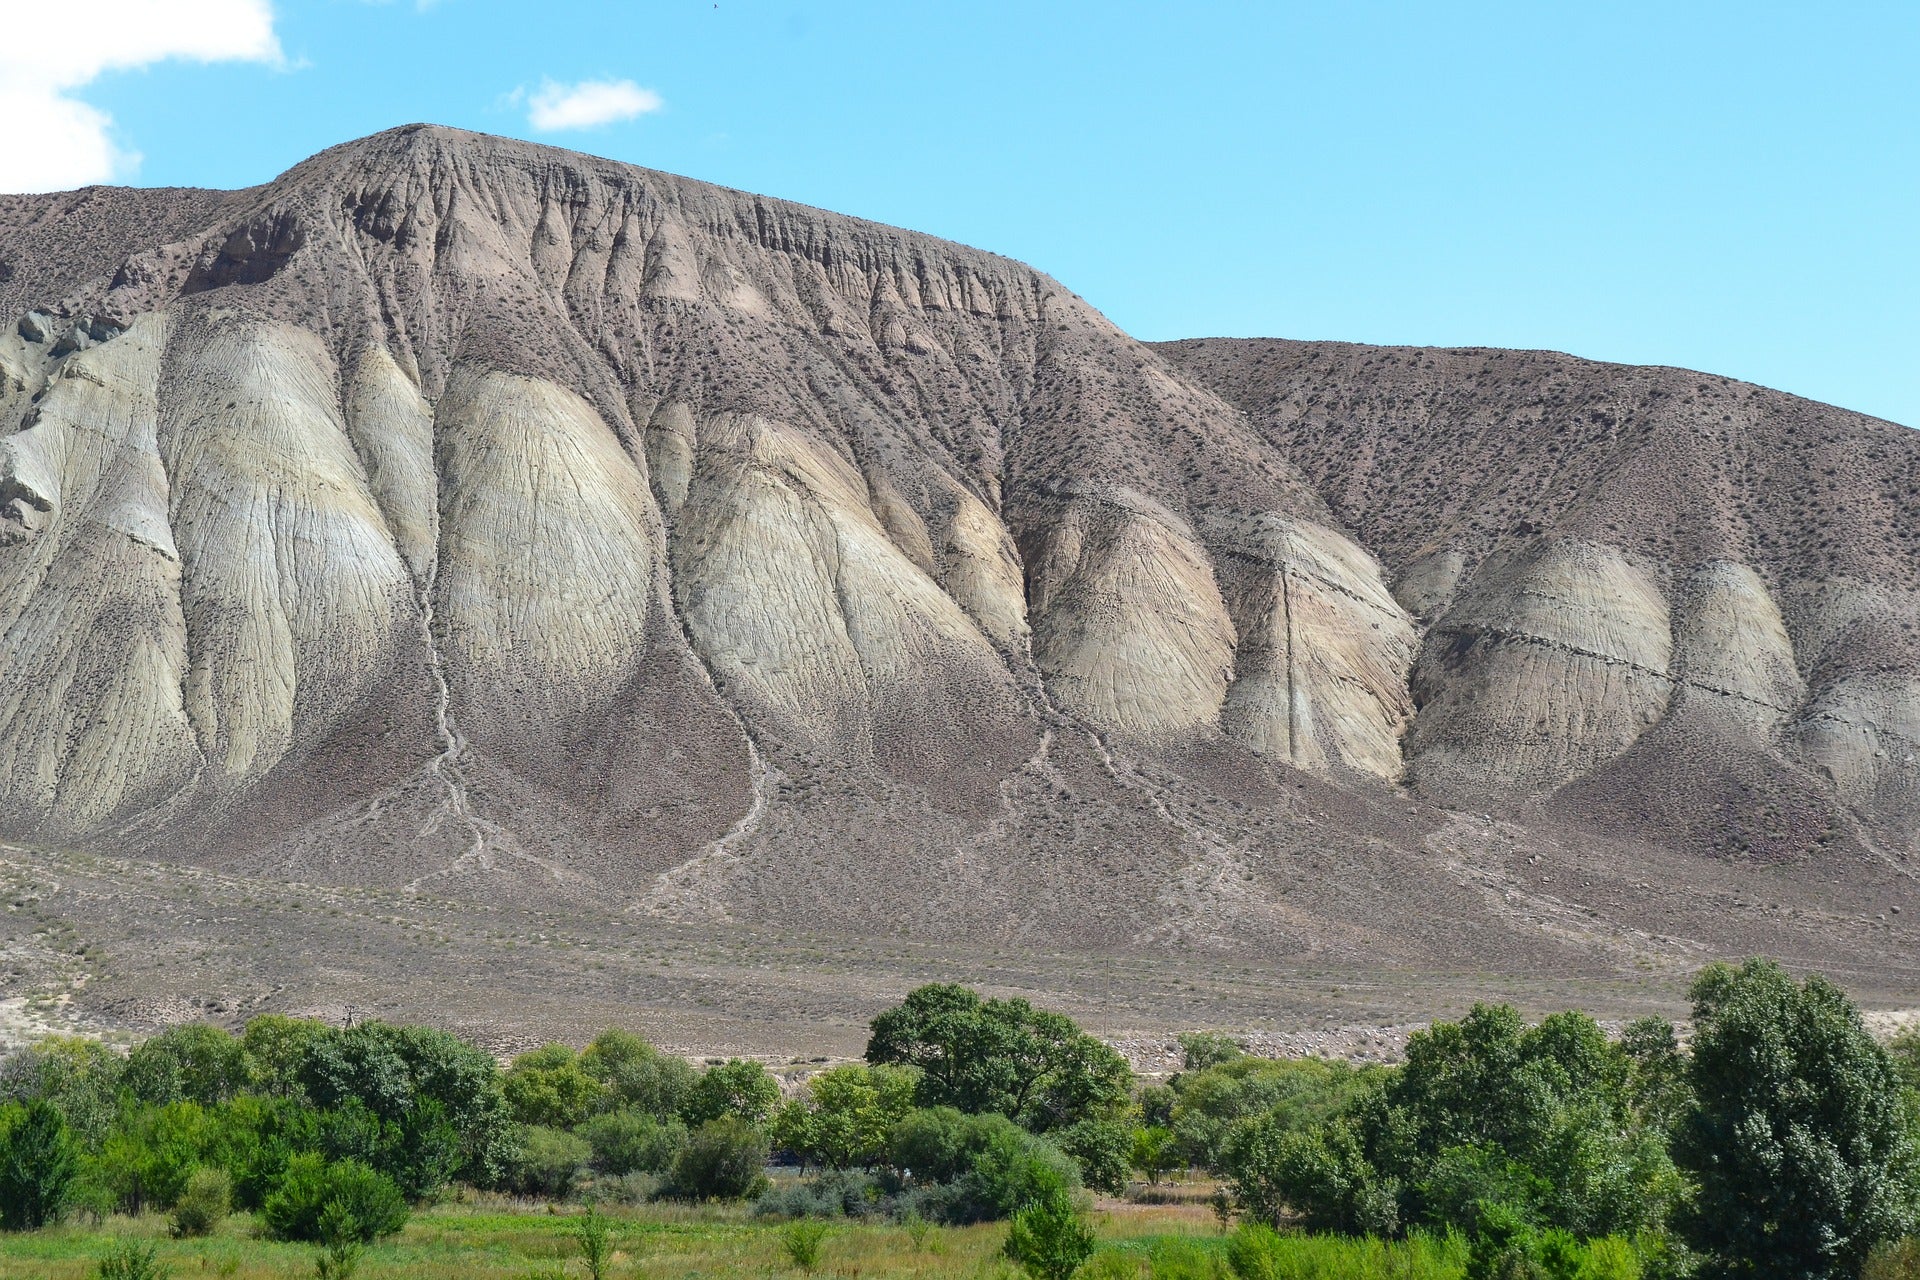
(474, 521)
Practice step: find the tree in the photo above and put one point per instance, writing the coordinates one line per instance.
(1796, 1134)
(1203, 1049)
(1048, 1239)
(1904, 1049)
(81, 1077)
(37, 1165)
(1153, 1152)
(425, 1083)
(272, 1049)
(194, 1063)
(982, 1055)
(738, 1088)
(846, 1115)
(635, 1074)
(1101, 1148)
(629, 1140)
(548, 1087)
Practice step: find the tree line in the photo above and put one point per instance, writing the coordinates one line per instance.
(1780, 1141)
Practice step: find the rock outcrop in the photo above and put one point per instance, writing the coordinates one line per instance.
(471, 517)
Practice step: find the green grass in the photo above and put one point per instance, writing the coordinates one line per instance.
(501, 1240)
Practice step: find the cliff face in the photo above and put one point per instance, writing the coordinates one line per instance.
(477, 518)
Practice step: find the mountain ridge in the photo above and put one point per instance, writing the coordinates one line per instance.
(475, 519)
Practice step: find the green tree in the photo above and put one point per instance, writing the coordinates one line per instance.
(431, 1088)
(1102, 1149)
(1048, 1239)
(81, 1077)
(630, 1140)
(981, 1055)
(1796, 1135)
(738, 1088)
(194, 1063)
(846, 1116)
(1295, 1093)
(1904, 1050)
(1154, 1152)
(635, 1074)
(548, 1087)
(273, 1048)
(550, 1162)
(37, 1165)
(1203, 1049)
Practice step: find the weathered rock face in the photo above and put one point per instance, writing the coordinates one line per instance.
(469, 516)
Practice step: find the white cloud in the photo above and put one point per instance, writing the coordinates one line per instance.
(54, 140)
(588, 104)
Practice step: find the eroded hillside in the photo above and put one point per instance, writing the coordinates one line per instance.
(476, 520)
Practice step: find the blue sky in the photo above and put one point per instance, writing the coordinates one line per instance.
(1731, 187)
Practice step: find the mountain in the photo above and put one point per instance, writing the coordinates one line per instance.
(474, 520)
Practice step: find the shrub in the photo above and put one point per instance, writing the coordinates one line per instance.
(130, 1260)
(630, 1140)
(346, 1195)
(596, 1246)
(1110, 1264)
(340, 1245)
(801, 1240)
(834, 1194)
(205, 1203)
(1048, 1239)
(37, 1165)
(1894, 1260)
(723, 1159)
(550, 1162)
(1010, 1169)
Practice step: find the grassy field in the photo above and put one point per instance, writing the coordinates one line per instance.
(508, 1242)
